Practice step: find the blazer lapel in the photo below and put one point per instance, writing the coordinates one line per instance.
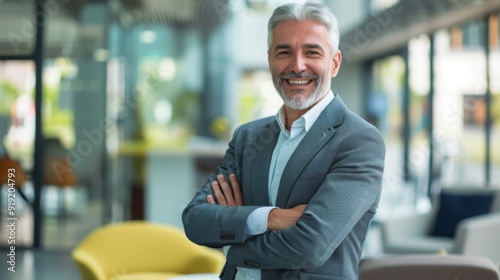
(319, 134)
(261, 163)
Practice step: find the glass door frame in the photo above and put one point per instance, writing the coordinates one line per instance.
(37, 57)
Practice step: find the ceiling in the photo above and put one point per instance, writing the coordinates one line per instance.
(65, 35)
(177, 12)
(387, 31)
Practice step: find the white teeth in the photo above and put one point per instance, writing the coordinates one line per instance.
(302, 82)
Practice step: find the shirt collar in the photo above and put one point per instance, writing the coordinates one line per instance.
(309, 118)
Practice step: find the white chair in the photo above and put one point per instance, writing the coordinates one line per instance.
(478, 235)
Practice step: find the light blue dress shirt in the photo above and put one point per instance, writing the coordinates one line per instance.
(286, 145)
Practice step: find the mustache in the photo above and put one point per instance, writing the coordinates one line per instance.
(302, 75)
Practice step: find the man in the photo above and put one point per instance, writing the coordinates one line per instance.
(295, 193)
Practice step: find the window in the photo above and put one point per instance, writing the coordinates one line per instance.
(494, 41)
(17, 28)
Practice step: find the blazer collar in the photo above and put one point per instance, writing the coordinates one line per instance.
(319, 134)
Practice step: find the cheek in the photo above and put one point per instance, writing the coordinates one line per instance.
(327, 70)
(276, 73)
(279, 67)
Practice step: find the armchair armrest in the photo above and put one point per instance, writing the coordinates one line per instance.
(403, 233)
(88, 265)
(408, 225)
(428, 267)
(209, 261)
(479, 236)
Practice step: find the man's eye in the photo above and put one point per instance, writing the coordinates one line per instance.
(283, 53)
(313, 53)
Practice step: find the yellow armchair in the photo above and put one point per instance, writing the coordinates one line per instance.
(142, 250)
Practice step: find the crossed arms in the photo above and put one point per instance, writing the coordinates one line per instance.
(278, 219)
(297, 237)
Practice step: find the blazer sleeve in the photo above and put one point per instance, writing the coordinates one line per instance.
(216, 225)
(351, 189)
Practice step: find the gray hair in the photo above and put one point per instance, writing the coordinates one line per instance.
(308, 11)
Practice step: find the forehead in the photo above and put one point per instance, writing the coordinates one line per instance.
(298, 33)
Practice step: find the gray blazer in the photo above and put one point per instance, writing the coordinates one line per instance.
(336, 170)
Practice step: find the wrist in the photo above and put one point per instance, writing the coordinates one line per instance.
(272, 219)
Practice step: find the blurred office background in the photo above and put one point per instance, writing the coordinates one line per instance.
(118, 110)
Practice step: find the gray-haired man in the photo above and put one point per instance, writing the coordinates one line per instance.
(296, 192)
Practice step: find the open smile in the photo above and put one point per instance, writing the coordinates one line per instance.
(298, 82)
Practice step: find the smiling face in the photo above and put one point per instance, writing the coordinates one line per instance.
(302, 62)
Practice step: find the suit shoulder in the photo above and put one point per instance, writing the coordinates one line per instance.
(352, 119)
(356, 125)
(257, 124)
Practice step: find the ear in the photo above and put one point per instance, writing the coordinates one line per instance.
(336, 61)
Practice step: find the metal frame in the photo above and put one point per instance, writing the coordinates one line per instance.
(37, 57)
(38, 157)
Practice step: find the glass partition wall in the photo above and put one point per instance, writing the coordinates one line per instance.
(494, 102)
(438, 111)
(47, 127)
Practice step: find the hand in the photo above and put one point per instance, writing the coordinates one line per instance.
(223, 192)
(280, 219)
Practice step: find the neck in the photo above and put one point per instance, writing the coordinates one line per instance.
(292, 115)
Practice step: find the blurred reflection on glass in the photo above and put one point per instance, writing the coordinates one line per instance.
(495, 100)
(17, 106)
(460, 86)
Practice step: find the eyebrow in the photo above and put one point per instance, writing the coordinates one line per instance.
(307, 46)
(282, 46)
(313, 46)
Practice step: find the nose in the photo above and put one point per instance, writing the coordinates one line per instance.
(298, 63)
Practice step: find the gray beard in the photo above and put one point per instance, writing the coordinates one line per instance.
(298, 102)
(302, 103)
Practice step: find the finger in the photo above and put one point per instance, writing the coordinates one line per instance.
(238, 199)
(226, 190)
(210, 199)
(218, 194)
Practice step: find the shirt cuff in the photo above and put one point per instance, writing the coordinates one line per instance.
(257, 221)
